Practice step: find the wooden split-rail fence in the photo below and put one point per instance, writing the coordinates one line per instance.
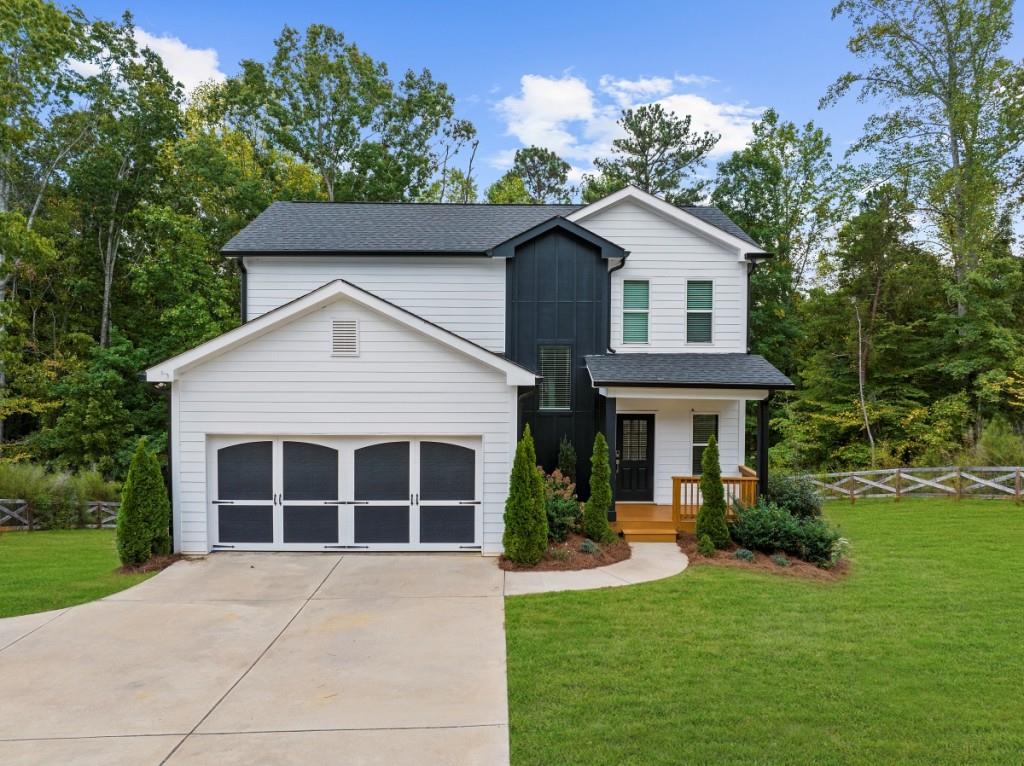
(17, 514)
(955, 482)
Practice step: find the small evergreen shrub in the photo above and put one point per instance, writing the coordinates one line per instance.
(769, 528)
(567, 459)
(711, 516)
(779, 560)
(558, 554)
(706, 546)
(595, 515)
(797, 495)
(143, 520)
(563, 508)
(744, 555)
(588, 546)
(526, 529)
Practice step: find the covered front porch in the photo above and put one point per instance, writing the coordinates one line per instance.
(660, 412)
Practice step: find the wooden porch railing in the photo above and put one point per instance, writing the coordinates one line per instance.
(686, 497)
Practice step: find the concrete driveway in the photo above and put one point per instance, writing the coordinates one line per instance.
(267, 659)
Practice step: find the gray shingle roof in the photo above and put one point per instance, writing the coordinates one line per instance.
(686, 370)
(380, 227)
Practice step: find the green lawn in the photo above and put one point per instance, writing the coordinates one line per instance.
(50, 570)
(915, 658)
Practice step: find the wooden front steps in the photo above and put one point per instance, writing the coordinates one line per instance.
(644, 522)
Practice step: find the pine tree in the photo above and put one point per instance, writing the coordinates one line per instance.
(595, 515)
(526, 523)
(711, 516)
(144, 516)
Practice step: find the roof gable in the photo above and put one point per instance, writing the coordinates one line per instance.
(170, 369)
(608, 249)
(710, 222)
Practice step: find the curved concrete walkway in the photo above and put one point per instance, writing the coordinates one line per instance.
(650, 561)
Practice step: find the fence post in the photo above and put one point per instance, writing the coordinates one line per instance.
(959, 483)
(899, 484)
(853, 489)
(1017, 486)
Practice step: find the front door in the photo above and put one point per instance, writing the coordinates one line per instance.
(635, 458)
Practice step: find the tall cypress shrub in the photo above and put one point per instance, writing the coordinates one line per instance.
(145, 513)
(711, 516)
(595, 515)
(526, 523)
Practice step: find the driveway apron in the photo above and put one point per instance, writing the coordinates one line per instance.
(267, 658)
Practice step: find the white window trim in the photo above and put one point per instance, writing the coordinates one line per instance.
(687, 312)
(635, 311)
(339, 355)
(540, 407)
(693, 440)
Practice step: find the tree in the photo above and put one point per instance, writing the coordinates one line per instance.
(711, 516)
(335, 107)
(526, 524)
(595, 514)
(508, 190)
(144, 517)
(567, 458)
(456, 187)
(953, 124)
(545, 175)
(658, 154)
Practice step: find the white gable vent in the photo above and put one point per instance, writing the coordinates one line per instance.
(345, 337)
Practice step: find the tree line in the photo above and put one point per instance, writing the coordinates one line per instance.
(895, 297)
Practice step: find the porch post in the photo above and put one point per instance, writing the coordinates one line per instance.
(762, 445)
(610, 425)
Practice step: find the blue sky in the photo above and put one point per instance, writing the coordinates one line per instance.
(552, 73)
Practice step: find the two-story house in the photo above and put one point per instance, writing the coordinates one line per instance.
(391, 354)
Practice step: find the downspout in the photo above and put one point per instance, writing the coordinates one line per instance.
(611, 271)
(244, 284)
(752, 265)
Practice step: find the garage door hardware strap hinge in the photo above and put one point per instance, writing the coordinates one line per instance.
(223, 502)
(469, 502)
(346, 502)
(222, 546)
(347, 547)
(470, 547)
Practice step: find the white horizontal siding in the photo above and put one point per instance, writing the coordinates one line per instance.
(667, 255)
(673, 436)
(463, 294)
(286, 383)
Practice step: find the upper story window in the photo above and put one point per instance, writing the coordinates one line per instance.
(555, 367)
(636, 302)
(700, 298)
(704, 427)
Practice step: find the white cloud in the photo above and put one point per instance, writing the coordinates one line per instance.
(566, 115)
(189, 66)
(628, 92)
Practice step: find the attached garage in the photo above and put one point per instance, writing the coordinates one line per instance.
(345, 493)
(341, 422)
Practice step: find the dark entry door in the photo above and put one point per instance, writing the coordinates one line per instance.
(635, 451)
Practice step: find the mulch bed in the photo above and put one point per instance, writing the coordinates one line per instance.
(762, 563)
(155, 564)
(567, 556)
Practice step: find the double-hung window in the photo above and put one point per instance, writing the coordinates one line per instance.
(700, 299)
(636, 313)
(555, 367)
(704, 427)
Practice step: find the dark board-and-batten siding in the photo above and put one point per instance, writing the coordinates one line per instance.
(557, 294)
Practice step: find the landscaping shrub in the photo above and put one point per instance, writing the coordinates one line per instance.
(143, 519)
(567, 459)
(711, 516)
(562, 506)
(797, 495)
(706, 546)
(779, 560)
(595, 516)
(56, 500)
(526, 533)
(744, 555)
(767, 527)
(588, 546)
